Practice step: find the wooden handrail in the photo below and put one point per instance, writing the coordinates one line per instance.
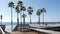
(2, 31)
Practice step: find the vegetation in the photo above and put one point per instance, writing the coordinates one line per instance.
(11, 5)
(44, 11)
(38, 14)
(20, 7)
(20, 3)
(30, 10)
(17, 10)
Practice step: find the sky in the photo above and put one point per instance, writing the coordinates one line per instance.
(52, 10)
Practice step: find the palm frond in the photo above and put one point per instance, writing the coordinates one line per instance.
(39, 11)
(24, 15)
(20, 3)
(11, 4)
(30, 10)
(17, 9)
(23, 8)
(44, 10)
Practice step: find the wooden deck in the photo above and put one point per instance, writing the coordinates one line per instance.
(38, 26)
(53, 28)
(36, 30)
(45, 31)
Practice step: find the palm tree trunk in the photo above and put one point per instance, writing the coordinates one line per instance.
(11, 20)
(30, 19)
(43, 18)
(39, 19)
(23, 17)
(17, 19)
(24, 20)
(20, 18)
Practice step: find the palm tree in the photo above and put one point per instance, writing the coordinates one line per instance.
(24, 18)
(17, 10)
(20, 4)
(23, 9)
(43, 10)
(38, 14)
(11, 5)
(30, 10)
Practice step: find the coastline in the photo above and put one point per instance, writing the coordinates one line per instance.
(8, 26)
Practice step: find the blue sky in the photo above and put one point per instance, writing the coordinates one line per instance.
(52, 10)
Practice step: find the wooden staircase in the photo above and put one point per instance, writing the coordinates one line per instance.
(21, 27)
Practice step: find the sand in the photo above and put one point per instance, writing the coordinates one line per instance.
(16, 32)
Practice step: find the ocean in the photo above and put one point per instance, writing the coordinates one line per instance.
(8, 24)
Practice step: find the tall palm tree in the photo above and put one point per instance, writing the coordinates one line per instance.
(38, 14)
(11, 5)
(30, 10)
(17, 10)
(20, 4)
(23, 9)
(24, 18)
(43, 10)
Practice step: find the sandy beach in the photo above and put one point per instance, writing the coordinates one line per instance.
(16, 32)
